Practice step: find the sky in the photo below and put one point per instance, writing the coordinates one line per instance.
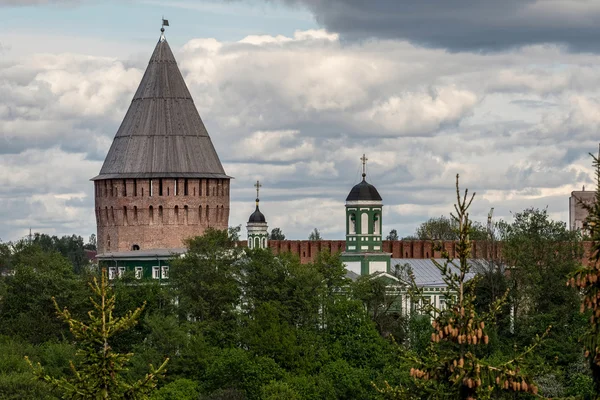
(293, 92)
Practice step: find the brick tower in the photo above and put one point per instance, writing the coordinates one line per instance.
(162, 180)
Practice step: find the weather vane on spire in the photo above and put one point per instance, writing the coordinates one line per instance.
(257, 186)
(165, 22)
(364, 160)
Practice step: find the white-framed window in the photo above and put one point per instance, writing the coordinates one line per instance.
(139, 272)
(165, 272)
(112, 272)
(121, 271)
(249, 243)
(155, 272)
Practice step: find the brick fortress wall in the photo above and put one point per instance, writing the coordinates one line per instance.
(307, 250)
(126, 214)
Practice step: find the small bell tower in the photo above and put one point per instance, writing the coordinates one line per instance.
(364, 206)
(258, 235)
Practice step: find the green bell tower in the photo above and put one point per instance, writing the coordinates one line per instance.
(258, 235)
(364, 206)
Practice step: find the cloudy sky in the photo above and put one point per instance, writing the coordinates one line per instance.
(293, 92)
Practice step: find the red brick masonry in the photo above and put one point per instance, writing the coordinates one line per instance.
(307, 250)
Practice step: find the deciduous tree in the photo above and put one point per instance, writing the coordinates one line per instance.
(315, 235)
(276, 234)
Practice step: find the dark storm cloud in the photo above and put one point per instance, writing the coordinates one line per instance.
(458, 25)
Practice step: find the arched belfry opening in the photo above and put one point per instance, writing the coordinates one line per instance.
(150, 164)
(257, 225)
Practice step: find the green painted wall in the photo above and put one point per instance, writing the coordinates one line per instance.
(130, 265)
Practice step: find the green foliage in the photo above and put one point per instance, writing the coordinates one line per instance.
(587, 280)
(234, 233)
(237, 369)
(393, 235)
(15, 375)
(181, 389)
(71, 247)
(277, 390)
(381, 299)
(444, 228)
(420, 330)
(99, 369)
(26, 308)
(452, 366)
(276, 234)
(315, 235)
(206, 279)
(541, 254)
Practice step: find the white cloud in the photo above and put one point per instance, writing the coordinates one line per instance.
(297, 112)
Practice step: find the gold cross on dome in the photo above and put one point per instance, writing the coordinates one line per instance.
(257, 186)
(364, 160)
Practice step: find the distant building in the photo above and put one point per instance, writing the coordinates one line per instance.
(577, 213)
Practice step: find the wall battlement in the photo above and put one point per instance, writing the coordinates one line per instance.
(422, 249)
(158, 213)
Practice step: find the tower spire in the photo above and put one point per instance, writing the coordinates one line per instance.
(257, 185)
(165, 22)
(364, 160)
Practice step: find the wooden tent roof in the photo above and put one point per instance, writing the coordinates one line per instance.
(162, 134)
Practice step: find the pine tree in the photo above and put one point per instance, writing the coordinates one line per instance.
(587, 280)
(452, 367)
(99, 370)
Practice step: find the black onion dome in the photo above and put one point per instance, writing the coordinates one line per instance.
(363, 192)
(257, 216)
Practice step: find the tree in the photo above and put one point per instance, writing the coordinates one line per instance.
(452, 366)
(100, 370)
(71, 247)
(393, 235)
(206, 281)
(92, 242)
(234, 232)
(276, 234)
(26, 308)
(444, 228)
(315, 235)
(587, 280)
(540, 254)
